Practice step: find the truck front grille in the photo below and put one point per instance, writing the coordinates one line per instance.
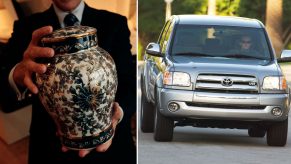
(226, 83)
(226, 106)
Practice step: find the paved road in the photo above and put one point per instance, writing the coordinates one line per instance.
(208, 145)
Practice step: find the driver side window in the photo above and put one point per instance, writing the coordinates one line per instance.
(162, 36)
(166, 38)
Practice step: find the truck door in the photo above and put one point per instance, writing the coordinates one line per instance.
(155, 66)
(150, 62)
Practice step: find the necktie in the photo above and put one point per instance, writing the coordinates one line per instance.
(70, 20)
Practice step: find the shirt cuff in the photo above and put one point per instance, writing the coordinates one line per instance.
(20, 96)
(121, 116)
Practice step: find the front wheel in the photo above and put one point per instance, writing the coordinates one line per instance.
(146, 115)
(163, 128)
(277, 133)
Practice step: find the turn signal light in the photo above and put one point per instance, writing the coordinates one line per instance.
(168, 78)
(283, 83)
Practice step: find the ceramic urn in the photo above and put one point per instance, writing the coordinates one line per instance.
(78, 89)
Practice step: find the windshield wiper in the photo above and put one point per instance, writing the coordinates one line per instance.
(194, 54)
(242, 56)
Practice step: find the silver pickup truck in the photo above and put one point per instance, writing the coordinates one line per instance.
(218, 72)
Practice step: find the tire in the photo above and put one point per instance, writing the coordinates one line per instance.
(277, 133)
(163, 128)
(256, 132)
(146, 115)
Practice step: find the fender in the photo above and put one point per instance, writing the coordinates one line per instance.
(159, 81)
(146, 81)
(141, 82)
(158, 87)
(142, 77)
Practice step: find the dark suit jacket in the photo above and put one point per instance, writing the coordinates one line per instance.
(113, 36)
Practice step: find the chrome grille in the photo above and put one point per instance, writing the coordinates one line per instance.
(238, 83)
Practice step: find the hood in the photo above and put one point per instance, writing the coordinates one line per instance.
(223, 65)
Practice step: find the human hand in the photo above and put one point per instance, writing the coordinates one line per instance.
(116, 115)
(24, 70)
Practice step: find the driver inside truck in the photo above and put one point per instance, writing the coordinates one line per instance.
(245, 43)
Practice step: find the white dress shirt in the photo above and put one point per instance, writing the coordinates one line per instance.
(78, 12)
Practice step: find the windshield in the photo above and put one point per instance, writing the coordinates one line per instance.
(220, 41)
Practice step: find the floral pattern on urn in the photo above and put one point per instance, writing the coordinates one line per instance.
(78, 89)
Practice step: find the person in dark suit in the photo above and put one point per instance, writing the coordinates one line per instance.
(113, 36)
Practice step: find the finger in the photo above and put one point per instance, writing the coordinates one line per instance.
(29, 83)
(116, 113)
(83, 153)
(103, 147)
(64, 149)
(35, 67)
(41, 32)
(33, 52)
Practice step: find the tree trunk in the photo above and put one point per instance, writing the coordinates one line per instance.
(211, 7)
(274, 24)
(211, 11)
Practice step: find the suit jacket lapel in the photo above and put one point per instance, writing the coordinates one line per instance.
(92, 18)
(52, 18)
(89, 17)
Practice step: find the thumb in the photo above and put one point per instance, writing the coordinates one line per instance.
(116, 113)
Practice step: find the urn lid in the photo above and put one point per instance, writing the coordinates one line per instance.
(71, 39)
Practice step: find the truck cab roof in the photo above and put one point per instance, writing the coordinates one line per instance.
(218, 20)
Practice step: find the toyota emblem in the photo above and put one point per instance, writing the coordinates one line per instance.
(227, 82)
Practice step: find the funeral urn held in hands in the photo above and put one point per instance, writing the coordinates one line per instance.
(78, 89)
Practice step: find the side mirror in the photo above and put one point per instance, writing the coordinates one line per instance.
(285, 56)
(154, 50)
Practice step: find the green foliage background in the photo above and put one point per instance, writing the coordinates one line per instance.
(151, 14)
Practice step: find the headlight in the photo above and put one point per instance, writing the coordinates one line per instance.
(275, 83)
(181, 78)
(177, 78)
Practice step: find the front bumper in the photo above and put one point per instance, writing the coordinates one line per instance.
(181, 97)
